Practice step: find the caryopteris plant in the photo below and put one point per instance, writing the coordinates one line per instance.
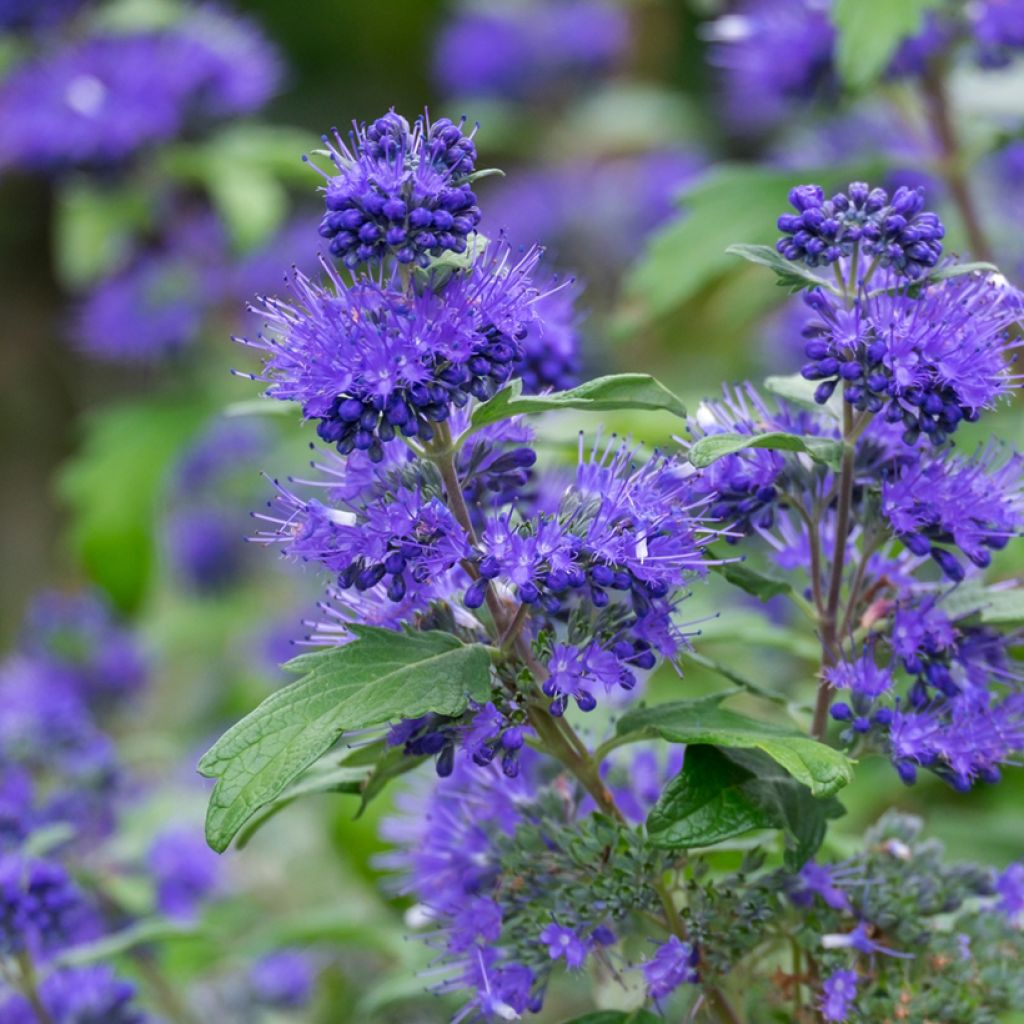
(480, 604)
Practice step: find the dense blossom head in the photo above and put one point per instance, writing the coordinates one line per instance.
(773, 54)
(98, 100)
(916, 54)
(41, 909)
(975, 505)
(744, 488)
(530, 48)
(896, 231)
(400, 190)
(78, 995)
(928, 361)
(550, 358)
(30, 15)
(370, 360)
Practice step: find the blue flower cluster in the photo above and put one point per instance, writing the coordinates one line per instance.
(897, 232)
(62, 793)
(400, 190)
(98, 101)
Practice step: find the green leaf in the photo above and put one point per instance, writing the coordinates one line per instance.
(114, 490)
(802, 816)
(790, 275)
(757, 584)
(793, 388)
(94, 230)
(158, 929)
(710, 800)
(731, 202)
(378, 677)
(817, 765)
(328, 777)
(713, 447)
(620, 391)
(263, 407)
(959, 270)
(869, 32)
(995, 607)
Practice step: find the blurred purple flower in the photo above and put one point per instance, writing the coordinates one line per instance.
(97, 101)
(184, 869)
(284, 979)
(524, 50)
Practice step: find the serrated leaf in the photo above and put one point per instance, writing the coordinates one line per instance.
(803, 816)
(710, 800)
(619, 391)
(380, 676)
(791, 275)
(329, 777)
(713, 447)
(817, 765)
(869, 33)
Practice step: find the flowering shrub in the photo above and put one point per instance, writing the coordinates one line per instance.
(482, 604)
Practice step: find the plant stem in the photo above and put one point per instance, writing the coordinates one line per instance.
(557, 736)
(30, 989)
(830, 638)
(937, 99)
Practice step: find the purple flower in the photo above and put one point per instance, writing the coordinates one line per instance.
(916, 54)
(184, 869)
(772, 55)
(88, 649)
(283, 979)
(564, 942)
(371, 361)
(157, 305)
(822, 881)
(897, 232)
(551, 359)
(99, 100)
(742, 487)
(30, 15)
(205, 547)
(998, 27)
(673, 964)
(962, 739)
(1010, 890)
(220, 449)
(837, 995)
(78, 995)
(975, 504)
(400, 540)
(930, 361)
(863, 677)
(532, 49)
(400, 190)
(860, 941)
(41, 909)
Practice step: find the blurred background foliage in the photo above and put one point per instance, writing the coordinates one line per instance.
(638, 178)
